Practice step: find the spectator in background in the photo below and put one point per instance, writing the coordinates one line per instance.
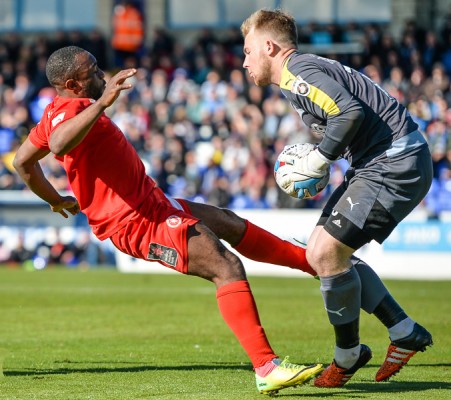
(23, 90)
(159, 85)
(374, 73)
(396, 85)
(416, 86)
(162, 44)
(437, 83)
(407, 48)
(7, 180)
(180, 87)
(439, 140)
(21, 253)
(13, 114)
(431, 52)
(14, 43)
(8, 72)
(38, 77)
(439, 197)
(95, 43)
(128, 33)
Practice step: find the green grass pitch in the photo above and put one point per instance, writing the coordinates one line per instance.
(69, 334)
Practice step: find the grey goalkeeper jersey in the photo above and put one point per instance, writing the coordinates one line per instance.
(356, 117)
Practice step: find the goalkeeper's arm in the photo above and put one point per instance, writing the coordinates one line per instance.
(340, 131)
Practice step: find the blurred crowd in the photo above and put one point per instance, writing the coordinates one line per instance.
(202, 128)
(35, 248)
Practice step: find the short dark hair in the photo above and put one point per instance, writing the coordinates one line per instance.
(62, 64)
(280, 24)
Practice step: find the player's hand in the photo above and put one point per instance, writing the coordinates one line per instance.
(115, 86)
(67, 203)
(310, 164)
(298, 149)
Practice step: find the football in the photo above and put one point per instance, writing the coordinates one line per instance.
(299, 185)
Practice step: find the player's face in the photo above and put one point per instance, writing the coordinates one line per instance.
(90, 77)
(256, 60)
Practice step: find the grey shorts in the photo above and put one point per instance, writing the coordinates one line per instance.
(371, 201)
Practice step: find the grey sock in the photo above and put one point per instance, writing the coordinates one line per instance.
(373, 290)
(342, 296)
(401, 329)
(346, 358)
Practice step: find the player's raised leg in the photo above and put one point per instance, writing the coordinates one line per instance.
(209, 259)
(249, 239)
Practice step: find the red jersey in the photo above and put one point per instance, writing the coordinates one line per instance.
(105, 173)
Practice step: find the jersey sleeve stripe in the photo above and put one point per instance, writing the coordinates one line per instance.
(323, 101)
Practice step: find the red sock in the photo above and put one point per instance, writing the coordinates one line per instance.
(237, 306)
(261, 245)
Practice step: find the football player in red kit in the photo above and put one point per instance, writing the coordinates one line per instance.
(124, 205)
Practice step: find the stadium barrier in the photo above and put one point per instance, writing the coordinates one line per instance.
(418, 248)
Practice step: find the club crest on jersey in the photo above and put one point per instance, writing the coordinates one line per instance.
(167, 255)
(300, 87)
(58, 119)
(173, 221)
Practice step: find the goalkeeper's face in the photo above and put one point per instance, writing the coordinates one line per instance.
(256, 60)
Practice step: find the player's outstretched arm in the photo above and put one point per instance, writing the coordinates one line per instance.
(26, 163)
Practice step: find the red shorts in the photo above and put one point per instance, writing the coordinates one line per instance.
(157, 232)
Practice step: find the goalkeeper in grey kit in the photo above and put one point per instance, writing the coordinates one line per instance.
(390, 173)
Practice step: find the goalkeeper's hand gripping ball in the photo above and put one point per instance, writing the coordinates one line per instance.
(301, 171)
